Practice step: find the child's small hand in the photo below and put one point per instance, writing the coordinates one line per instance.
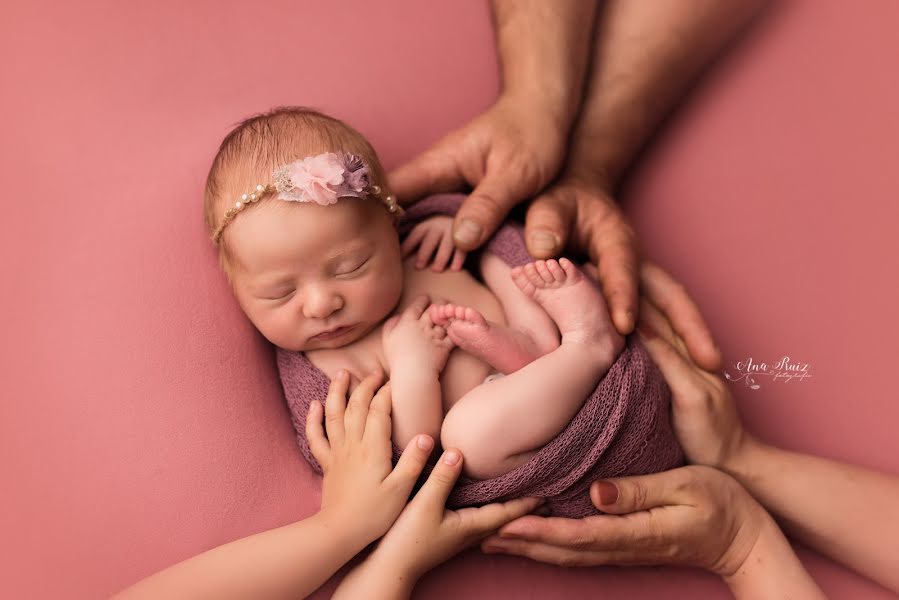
(427, 534)
(361, 492)
(434, 233)
(412, 337)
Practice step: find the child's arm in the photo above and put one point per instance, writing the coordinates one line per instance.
(361, 497)
(292, 560)
(416, 351)
(425, 535)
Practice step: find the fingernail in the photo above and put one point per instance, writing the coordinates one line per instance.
(493, 548)
(424, 442)
(341, 373)
(468, 232)
(544, 241)
(450, 457)
(510, 535)
(646, 330)
(608, 492)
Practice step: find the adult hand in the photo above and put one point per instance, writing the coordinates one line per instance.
(704, 415)
(695, 516)
(507, 154)
(427, 534)
(579, 214)
(361, 491)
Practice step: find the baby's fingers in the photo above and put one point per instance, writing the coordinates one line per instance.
(458, 259)
(335, 406)
(432, 239)
(412, 240)
(444, 252)
(315, 434)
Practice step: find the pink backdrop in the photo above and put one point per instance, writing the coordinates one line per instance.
(142, 419)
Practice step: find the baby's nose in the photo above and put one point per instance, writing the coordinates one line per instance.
(322, 306)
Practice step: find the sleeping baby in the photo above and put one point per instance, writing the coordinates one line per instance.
(308, 235)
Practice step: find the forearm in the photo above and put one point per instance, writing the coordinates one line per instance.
(843, 511)
(644, 56)
(417, 402)
(772, 570)
(370, 579)
(287, 562)
(543, 49)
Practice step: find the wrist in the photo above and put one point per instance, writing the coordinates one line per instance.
(348, 531)
(538, 109)
(746, 458)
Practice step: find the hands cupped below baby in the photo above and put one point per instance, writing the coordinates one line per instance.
(692, 516)
(364, 496)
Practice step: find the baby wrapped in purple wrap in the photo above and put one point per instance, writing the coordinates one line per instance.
(623, 428)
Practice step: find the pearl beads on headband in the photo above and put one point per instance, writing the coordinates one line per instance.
(261, 189)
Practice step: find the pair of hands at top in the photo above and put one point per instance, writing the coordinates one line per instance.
(509, 154)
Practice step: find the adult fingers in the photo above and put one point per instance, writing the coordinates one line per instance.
(547, 553)
(315, 434)
(675, 303)
(679, 373)
(335, 406)
(485, 208)
(652, 323)
(548, 222)
(410, 464)
(435, 170)
(615, 250)
(622, 495)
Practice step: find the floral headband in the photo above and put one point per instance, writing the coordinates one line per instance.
(322, 179)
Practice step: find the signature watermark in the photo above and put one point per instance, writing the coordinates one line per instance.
(786, 369)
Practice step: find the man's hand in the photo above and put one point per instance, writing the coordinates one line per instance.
(507, 154)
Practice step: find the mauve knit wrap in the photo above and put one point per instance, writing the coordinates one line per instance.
(622, 429)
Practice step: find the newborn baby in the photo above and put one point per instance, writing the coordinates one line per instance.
(300, 209)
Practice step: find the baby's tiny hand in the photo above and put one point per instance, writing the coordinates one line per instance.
(412, 338)
(434, 233)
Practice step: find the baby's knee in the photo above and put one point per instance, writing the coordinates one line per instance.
(483, 455)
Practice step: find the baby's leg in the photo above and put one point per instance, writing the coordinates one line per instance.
(499, 425)
(529, 333)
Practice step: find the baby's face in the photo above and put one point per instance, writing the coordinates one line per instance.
(308, 269)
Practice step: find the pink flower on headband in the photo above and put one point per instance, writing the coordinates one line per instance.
(322, 178)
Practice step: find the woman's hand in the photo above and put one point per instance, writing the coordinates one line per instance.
(362, 493)
(427, 534)
(693, 516)
(704, 415)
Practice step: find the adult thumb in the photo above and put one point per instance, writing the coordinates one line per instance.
(548, 223)
(622, 495)
(485, 208)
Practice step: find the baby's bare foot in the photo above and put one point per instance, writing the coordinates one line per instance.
(573, 302)
(504, 349)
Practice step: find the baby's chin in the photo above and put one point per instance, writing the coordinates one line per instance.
(358, 332)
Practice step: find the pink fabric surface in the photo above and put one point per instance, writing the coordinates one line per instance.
(623, 427)
(142, 420)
